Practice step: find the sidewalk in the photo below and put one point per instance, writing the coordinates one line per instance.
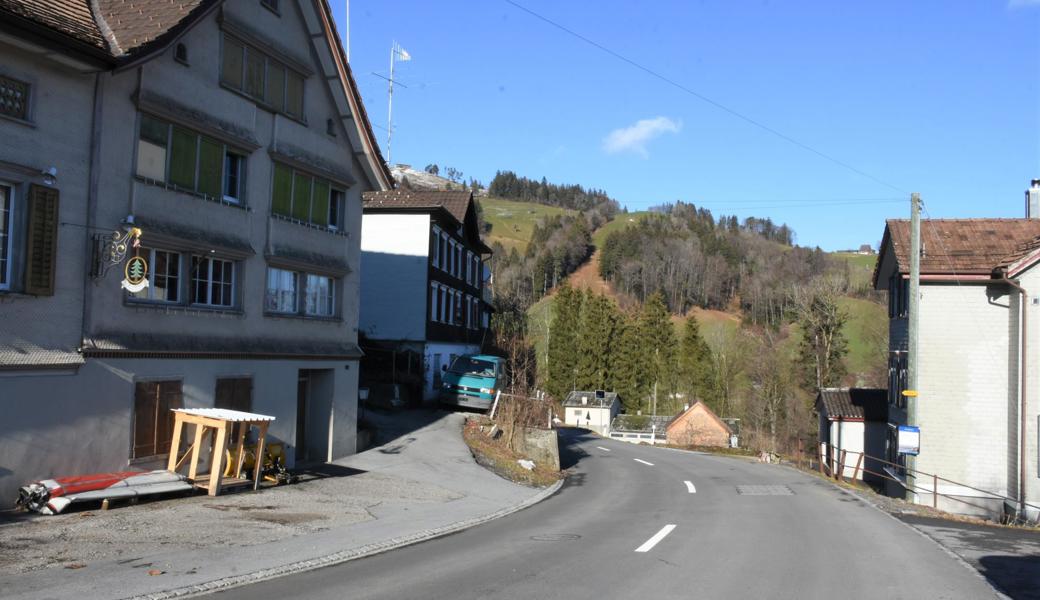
(420, 483)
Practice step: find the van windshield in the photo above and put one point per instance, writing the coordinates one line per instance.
(466, 365)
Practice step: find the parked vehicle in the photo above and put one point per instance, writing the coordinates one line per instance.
(472, 380)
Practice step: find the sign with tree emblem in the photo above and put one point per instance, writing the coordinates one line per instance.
(136, 273)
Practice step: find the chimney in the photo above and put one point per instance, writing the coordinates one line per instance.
(1033, 200)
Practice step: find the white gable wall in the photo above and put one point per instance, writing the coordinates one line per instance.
(964, 386)
(394, 272)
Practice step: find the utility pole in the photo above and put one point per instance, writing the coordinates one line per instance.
(913, 317)
(390, 104)
(348, 30)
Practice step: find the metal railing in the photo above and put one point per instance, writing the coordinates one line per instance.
(834, 464)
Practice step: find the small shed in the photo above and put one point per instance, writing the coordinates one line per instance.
(854, 420)
(640, 429)
(593, 410)
(698, 425)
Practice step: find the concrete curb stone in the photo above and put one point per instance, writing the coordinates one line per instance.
(346, 555)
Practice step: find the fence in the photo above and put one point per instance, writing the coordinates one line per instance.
(833, 462)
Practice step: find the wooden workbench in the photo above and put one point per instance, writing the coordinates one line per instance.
(220, 423)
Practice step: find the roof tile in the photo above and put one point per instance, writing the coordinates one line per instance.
(965, 246)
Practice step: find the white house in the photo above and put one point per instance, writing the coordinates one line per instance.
(592, 410)
(422, 283)
(853, 421)
(978, 344)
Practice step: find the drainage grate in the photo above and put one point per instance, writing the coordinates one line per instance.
(556, 537)
(764, 490)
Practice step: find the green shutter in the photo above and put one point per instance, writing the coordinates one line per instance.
(231, 72)
(182, 158)
(254, 73)
(294, 95)
(301, 206)
(275, 86)
(211, 167)
(281, 197)
(320, 212)
(154, 130)
(42, 242)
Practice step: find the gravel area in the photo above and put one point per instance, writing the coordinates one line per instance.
(321, 501)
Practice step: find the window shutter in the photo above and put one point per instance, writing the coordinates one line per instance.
(42, 243)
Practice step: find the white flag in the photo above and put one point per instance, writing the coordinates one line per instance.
(402, 54)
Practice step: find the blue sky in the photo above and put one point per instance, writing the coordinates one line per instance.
(940, 98)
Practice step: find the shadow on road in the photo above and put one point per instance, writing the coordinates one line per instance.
(394, 428)
(1016, 576)
(570, 452)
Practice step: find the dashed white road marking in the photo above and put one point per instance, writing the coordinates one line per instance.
(603, 449)
(660, 535)
(643, 461)
(690, 488)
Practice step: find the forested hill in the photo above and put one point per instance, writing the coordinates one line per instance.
(508, 185)
(694, 260)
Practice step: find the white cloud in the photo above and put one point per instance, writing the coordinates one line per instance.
(635, 137)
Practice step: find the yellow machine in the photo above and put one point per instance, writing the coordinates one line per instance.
(274, 463)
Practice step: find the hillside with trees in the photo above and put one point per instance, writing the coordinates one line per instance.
(688, 306)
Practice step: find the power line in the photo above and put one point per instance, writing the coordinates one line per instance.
(704, 98)
(776, 202)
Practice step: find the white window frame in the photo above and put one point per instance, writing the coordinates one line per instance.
(436, 246)
(239, 177)
(442, 248)
(209, 283)
(5, 282)
(331, 299)
(296, 292)
(150, 290)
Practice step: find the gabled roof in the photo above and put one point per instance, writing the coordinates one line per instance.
(458, 205)
(592, 400)
(122, 29)
(958, 247)
(455, 202)
(707, 410)
(869, 404)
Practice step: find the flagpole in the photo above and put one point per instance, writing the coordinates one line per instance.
(390, 104)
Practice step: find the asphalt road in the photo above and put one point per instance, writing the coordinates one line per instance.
(627, 524)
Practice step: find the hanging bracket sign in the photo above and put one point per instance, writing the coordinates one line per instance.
(136, 274)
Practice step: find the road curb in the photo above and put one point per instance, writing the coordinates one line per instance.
(345, 555)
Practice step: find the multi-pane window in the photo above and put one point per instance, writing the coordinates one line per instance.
(262, 78)
(164, 276)
(281, 291)
(320, 296)
(188, 160)
(292, 292)
(898, 297)
(6, 225)
(212, 281)
(436, 246)
(305, 198)
(14, 98)
(153, 418)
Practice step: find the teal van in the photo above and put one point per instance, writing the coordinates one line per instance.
(472, 380)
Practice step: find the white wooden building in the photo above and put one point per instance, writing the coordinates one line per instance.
(592, 410)
(977, 406)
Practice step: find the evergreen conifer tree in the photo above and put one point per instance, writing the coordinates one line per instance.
(563, 338)
(658, 336)
(599, 319)
(694, 363)
(629, 364)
